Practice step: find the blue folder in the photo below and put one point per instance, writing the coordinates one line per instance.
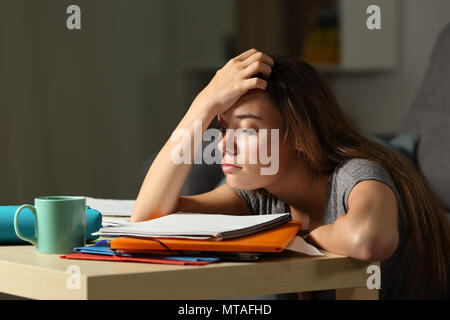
(27, 224)
(103, 247)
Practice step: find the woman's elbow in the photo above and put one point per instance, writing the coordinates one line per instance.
(375, 249)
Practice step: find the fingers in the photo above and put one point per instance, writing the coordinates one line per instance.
(249, 64)
(252, 62)
(258, 56)
(254, 83)
(252, 55)
(245, 55)
(257, 67)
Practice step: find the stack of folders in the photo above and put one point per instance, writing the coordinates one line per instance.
(196, 238)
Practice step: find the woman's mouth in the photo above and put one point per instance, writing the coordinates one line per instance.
(227, 167)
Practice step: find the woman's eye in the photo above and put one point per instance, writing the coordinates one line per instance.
(249, 131)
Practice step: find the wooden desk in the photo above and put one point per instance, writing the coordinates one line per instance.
(26, 273)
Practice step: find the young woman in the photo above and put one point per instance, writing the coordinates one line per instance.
(356, 197)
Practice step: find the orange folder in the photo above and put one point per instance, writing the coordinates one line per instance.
(272, 240)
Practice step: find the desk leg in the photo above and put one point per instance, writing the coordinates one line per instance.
(356, 294)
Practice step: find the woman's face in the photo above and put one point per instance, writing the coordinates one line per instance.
(260, 159)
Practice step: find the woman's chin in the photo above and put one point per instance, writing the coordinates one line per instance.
(236, 182)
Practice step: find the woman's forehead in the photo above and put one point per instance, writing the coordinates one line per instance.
(253, 105)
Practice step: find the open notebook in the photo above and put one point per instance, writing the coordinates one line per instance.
(198, 226)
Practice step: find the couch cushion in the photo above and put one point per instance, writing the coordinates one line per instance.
(404, 144)
(430, 118)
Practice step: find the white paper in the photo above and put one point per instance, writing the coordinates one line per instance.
(111, 207)
(114, 221)
(144, 235)
(298, 244)
(190, 224)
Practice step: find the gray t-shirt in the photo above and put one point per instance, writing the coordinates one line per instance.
(341, 182)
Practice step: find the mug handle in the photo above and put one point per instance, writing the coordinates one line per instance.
(33, 240)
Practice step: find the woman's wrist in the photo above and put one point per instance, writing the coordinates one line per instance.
(198, 112)
(204, 106)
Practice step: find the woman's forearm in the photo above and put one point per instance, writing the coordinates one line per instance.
(164, 180)
(338, 238)
(322, 237)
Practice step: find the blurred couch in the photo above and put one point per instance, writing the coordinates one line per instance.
(429, 117)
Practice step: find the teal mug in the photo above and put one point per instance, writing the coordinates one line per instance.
(60, 223)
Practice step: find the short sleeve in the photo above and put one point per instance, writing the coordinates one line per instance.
(262, 202)
(357, 170)
(248, 197)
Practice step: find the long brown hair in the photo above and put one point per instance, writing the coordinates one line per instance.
(328, 138)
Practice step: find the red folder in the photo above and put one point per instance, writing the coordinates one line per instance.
(272, 240)
(89, 256)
